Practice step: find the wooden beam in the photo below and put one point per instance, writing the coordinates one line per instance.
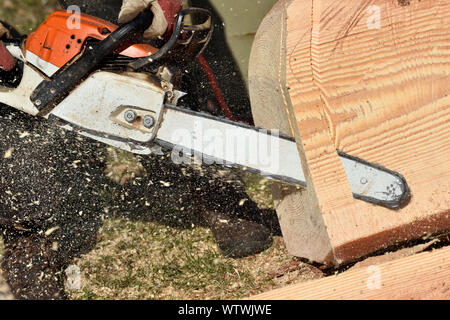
(369, 78)
(5, 293)
(422, 276)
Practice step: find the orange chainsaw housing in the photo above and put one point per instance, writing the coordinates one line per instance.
(58, 40)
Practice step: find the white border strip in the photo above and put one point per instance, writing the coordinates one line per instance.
(16, 52)
(46, 67)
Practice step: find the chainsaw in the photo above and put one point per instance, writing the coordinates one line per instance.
(104, 82)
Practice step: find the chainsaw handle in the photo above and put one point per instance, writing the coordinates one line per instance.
(56, 89)
(180, 28)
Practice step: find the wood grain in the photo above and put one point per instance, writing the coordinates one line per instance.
(271, 107)
(422, 276)
(378, 94)
(5, 293)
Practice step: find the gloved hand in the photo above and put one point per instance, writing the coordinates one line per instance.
(7, 62)
(165, 12)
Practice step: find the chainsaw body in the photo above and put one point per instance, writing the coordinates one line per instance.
(57, 41)
(98, 104)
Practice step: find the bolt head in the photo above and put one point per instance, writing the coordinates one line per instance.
(148, 121)
(130, 116)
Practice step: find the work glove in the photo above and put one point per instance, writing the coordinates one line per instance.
(7, 62)
(165, 13)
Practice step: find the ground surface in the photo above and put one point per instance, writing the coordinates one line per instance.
(149, 261)
(26, 15)
(137, 260)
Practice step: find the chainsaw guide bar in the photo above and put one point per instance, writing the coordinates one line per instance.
(280, 158)
(233, 144)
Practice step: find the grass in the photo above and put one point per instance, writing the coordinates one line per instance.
(26, 15)
(142, 260)
(258, 189)
(137, 260)
(146, 260)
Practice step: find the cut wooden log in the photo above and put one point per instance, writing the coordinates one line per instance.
(369, 78)
(421, 276)
(5, 293)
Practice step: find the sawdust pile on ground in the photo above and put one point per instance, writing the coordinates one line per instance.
(136, 260)
(163, 257)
